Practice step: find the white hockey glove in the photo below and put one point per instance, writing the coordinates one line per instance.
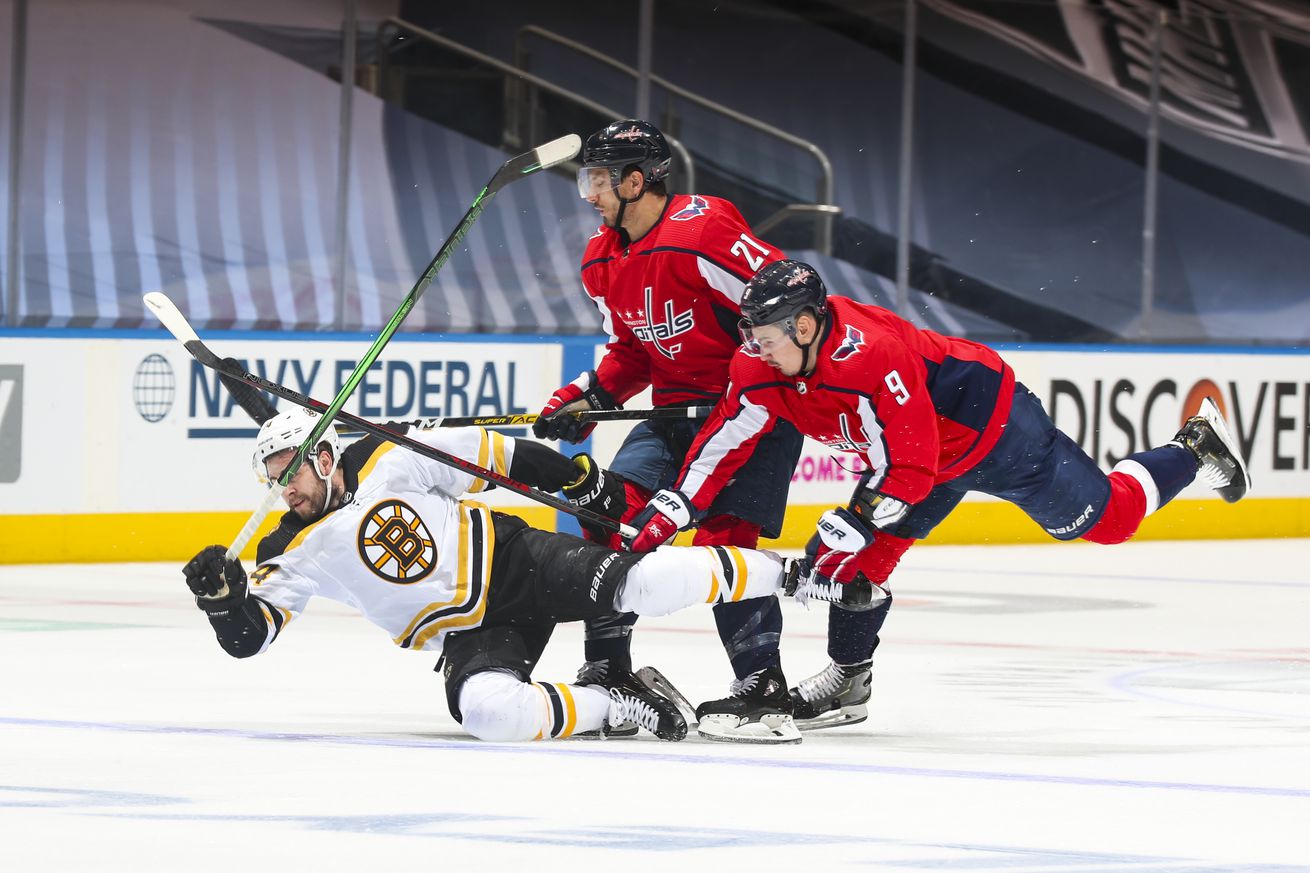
(667, 513)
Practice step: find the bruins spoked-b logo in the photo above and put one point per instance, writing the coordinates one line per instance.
(395, 543)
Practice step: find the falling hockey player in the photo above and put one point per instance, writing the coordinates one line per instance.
(666, 272)
(934, 417)
(383, 530)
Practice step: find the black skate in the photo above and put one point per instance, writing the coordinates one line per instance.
(833, 697)
(801, 584)
(594, 673)
(757, 710)
(633, 702)
(1220, 463)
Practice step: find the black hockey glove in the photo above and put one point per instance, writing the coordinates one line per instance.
(217, 583)
(598, 490)
(555, 421)
(247, 396)
(877, 510)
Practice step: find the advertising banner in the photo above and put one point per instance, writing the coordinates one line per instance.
(1116, 403)
(126, 449)
(138, 426)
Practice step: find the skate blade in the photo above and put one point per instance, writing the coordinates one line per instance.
(1242, 481)
(773, 730)
(657, 682)
(835, 718)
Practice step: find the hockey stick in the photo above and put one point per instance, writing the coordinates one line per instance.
(540, 158)
(251, 400)
(586, 416)
(177, 325)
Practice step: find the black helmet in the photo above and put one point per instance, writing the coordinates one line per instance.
(628, 143)
(781, 291)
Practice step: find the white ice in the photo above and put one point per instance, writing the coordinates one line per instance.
(1050, 708)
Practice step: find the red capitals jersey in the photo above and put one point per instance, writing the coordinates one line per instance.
(920, 408)
(671, 300)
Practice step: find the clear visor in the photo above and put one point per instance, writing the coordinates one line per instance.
(766, 337)
(262, 472)
(594, 181)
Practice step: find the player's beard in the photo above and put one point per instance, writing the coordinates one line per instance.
(309, 506)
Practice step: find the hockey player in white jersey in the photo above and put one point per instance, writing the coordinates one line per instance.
(385, 531)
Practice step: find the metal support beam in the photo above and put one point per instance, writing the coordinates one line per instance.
(907, 162)
(348, 26)
(645, 51)
(1150, 196)
(13, 244)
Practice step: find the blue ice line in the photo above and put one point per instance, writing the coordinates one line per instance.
(473, 745)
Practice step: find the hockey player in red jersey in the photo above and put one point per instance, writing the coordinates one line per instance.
(667, 273)
(933, 417)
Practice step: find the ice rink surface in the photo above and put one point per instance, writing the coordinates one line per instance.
(1047, 708)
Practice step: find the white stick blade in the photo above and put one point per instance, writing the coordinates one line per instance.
(559, 150)
(169, 316)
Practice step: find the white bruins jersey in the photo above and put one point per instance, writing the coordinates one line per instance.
(404, 550)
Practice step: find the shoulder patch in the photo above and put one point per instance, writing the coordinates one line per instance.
(695, 208)
(850, 345)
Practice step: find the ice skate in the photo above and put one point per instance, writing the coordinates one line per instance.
(632, 702)
(802, 585)
(837, 695)
(1206, 435)
(656, 681)
(594, 673)
(757, 710)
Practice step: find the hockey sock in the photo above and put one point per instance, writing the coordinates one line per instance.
(673, 577)
(609, 639)
(749, 633)
(1162, 473)
(499, 707)
(1139, 485)
(750, 630)
(726, 530)
(1123, 512)
(852, 636)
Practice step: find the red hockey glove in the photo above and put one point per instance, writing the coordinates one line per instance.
(667, 513)
(555, 422)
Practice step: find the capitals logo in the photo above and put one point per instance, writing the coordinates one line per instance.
(650, 331)
(853, 342)
(849, 439)
(696, 208)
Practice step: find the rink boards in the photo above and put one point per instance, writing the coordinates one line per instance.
(119, 447)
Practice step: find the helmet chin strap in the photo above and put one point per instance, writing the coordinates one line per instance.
(807, 367)
(623, 205)
(327, 481)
